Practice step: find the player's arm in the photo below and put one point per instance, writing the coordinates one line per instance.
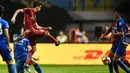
(128, 33)
(116, 33)
(128, 29)
(122, 35)
(106, 32)
(15, 15)
(120, 30)
(6, 32)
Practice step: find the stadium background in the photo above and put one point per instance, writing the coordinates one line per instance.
(88, 15)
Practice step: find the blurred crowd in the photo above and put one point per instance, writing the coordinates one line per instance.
(75, 35)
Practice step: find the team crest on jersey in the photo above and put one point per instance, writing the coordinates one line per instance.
(120, 23)
(0, 25)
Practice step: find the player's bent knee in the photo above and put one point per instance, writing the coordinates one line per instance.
(47, 33)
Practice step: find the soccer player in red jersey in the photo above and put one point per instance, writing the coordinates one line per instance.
(123, 58)
(31, 29)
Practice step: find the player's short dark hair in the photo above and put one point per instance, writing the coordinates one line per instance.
(107, 25)
(1, 10)
(118, 11)
(36, 3)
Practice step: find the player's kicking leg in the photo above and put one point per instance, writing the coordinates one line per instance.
(41, 33)
(119, 52)
(124, 60)
(47, 34)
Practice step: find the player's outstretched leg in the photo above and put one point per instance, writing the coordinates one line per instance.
(57, 43)
(121, 64)
(40, 33)
(124, 60)
(127, 63)
(10, 67)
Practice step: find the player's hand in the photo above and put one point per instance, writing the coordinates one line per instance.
(121, 33)
(10, 49)
(13, 20)
(101, 37)
(49, 28)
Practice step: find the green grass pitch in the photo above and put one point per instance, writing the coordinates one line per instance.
(68, 69)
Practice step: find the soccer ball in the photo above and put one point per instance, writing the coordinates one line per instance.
(106, 60)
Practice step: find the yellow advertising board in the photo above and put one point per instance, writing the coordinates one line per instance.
(69, 54)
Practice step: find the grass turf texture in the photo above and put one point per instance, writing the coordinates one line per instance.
(68, 69)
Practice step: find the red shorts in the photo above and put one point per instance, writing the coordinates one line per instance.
(32, 39)
(33, 34)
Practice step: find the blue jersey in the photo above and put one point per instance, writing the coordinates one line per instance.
(120, 24)
(20, 48)
(3, 25)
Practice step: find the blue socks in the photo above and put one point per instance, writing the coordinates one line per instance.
(122, 65)
(11, 68)
(111, 66)
(37, 68)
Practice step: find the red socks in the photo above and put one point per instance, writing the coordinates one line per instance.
(53, 39)
(29, 57)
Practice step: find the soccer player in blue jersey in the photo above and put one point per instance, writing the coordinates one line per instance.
(123, 58)
(20, 54)
(121, 41)
(5, 48)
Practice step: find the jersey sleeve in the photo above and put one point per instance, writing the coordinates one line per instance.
(5, 24)
(27, 41)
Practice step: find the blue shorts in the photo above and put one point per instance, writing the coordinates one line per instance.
(120, 50)
(5, 53)
(20, 63)
(114, 47)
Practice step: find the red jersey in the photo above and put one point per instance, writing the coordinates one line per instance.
(29, 18)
